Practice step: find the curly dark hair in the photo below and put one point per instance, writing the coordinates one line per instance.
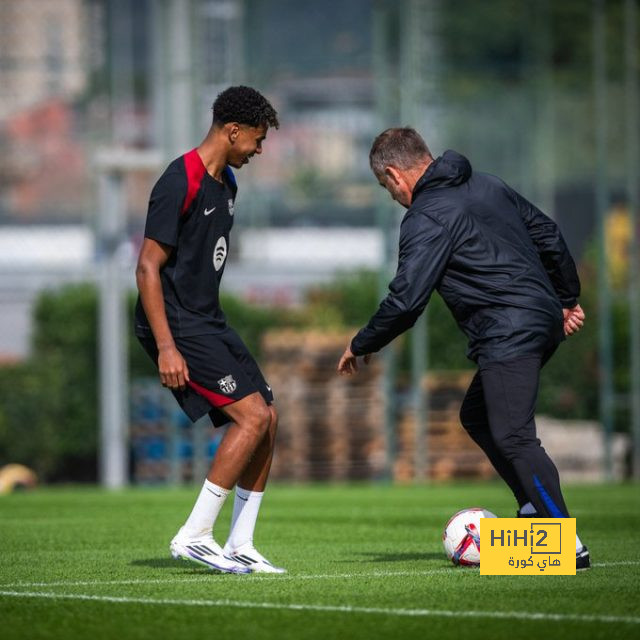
(246, 106)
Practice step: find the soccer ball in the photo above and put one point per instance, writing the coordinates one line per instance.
(461, 537)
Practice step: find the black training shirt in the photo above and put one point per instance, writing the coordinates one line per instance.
(193, 213)
(501, 266)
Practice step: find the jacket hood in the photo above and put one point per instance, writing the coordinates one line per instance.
(449, 170)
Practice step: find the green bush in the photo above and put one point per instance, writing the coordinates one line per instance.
(49, 402)
(49, 410)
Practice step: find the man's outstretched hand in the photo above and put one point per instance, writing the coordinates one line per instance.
(348, 364)
(573, 320)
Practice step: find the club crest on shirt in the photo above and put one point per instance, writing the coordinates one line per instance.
(227, 384)
(230, 206)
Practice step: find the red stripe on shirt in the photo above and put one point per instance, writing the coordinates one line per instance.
(214, 398)
(195, 170)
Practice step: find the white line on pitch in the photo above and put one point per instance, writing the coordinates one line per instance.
(323, 576)
(257, 577)
(441, 613)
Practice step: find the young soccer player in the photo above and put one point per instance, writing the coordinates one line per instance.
(505, 272)
(182, 327)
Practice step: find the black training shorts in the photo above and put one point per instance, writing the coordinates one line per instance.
(221, 372)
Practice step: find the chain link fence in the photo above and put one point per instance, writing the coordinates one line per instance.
(506, 83)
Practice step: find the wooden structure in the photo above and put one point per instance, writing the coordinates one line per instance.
(330, 425)
(451, 453)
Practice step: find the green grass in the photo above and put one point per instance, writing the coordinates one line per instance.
(83, 563)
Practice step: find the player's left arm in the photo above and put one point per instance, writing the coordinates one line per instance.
(425, 247)
(553, 251)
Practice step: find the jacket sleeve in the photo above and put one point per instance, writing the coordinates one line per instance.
(553, 251)
(425, 247)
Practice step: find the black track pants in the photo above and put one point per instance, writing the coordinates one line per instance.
(498, 413)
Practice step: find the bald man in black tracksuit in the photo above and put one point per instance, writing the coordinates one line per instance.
(505, 272)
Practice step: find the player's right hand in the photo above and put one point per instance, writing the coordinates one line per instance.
(174, 373)
(573, 320)
(348, 364)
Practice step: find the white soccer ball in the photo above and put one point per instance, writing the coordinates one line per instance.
(461, 537)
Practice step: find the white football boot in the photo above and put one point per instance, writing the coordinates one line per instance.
(205, 551)
(251, 559)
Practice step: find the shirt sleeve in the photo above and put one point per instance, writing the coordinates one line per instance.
(425, 248)
(553, 251)
(165, 208)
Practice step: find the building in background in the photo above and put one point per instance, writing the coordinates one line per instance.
(44, 74)
(43, 50)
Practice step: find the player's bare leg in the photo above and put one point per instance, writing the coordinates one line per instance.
(251, 420)
(251, 424)
(249, 493)
(254, 477)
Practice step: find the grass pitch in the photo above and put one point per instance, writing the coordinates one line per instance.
(364, 562)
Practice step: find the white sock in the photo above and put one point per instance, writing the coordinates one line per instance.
(527, 509)
(245, 513)
(205, 510)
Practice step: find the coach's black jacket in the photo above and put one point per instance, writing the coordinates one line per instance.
(500, 264)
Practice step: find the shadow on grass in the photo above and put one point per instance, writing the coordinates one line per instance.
(377, 556)
(168, 563)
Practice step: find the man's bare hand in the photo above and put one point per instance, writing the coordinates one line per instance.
(173, 369)
(348, 364)
(573, 320)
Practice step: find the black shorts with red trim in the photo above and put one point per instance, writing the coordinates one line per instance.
(221, 372)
